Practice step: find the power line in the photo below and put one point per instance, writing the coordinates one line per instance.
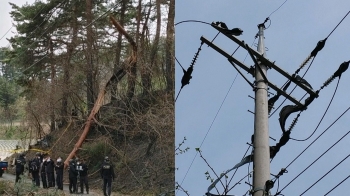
(101, 16)
(6, 32)
(184, 21)
(211, 123)
(214, 183)
(326, 174)
(313, 162)
(209, 129)
(318, 137)
(324, 114)
(338, 24)
(278, 8)
(319, 46)
(31, 19)
(236, 172)
(337, 185)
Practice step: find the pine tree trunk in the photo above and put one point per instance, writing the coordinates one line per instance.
(118, 51)
(170, 62)
(67, 68)
(90, 68)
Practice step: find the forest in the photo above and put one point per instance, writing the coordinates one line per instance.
(95, 78)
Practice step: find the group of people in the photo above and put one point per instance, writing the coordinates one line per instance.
(42, 166)
(46, 168)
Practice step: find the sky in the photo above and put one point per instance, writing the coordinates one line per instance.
(6, 21)
(212, 112)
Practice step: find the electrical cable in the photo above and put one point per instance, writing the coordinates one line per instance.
(324, 114)
(184, 21)
(338, 24)
(208, 129)
(39, 37)
(179, 63)
(225, 98)
(284, 100)
(31, 19)
(315, 161)
(337, 185)
(326, 174)
(52, 25)
(234, 173)
(210, 125)
(319, 136)
(188, 75)
(312, 59)
(101, 16)
(278, 8)
(6, 32)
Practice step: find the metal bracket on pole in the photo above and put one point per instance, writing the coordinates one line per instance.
(249, 70)
(266, 62)
(257, 64)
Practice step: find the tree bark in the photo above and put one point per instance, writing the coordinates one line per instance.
(118, 51)
(170, 62)
(67, 68)
(131, 64)
(88, 124)
(90, 67)
(53, 89)
(147, 67)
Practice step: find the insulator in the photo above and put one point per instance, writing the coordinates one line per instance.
(293, 123)
(327, 82)
(196, 56)
(304, 63)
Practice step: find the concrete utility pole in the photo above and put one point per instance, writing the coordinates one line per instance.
(261, 131)
(261, 160)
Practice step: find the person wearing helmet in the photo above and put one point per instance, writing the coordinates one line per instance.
(73, 176)
(59, 173)
(20, 162)
(107, 174)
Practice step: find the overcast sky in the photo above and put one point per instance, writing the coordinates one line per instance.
(6, 21)
(290, 35)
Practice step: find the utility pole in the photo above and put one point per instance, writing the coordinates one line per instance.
(261, 148)
(261, 161)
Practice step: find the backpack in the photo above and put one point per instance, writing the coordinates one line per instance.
(34, 167)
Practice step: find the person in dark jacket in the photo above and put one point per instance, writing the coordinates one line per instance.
(20, 162)
(107, 174)
(59, 173)
(83, 169)
(34, 169)
(73, 176)
(50, 172)
(43, 173)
